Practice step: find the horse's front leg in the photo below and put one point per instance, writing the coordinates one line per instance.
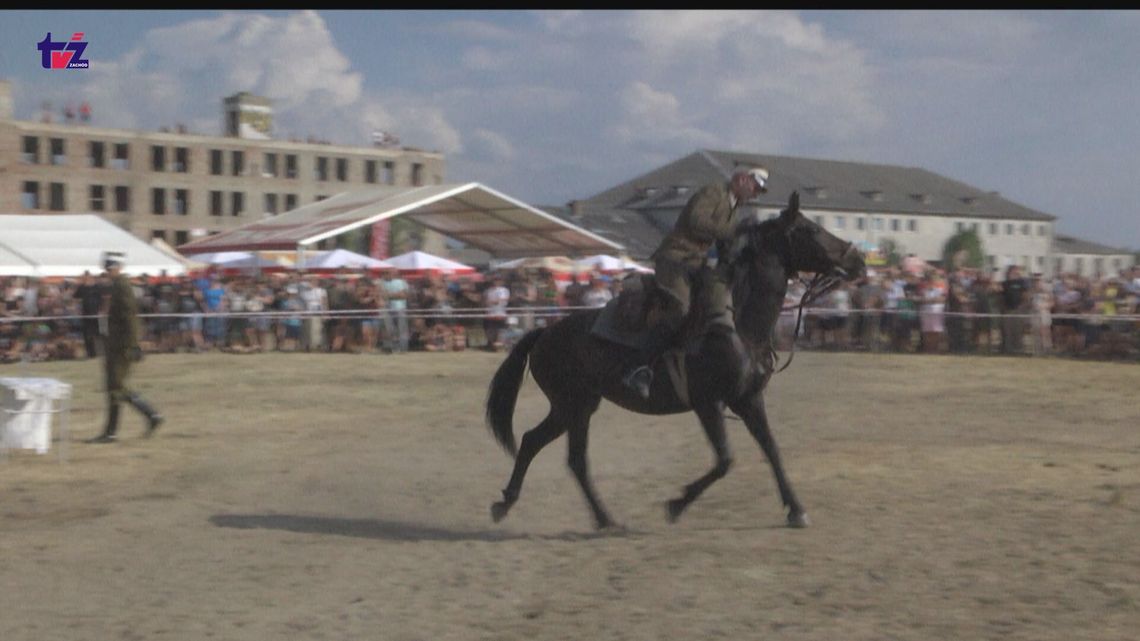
(712, 419)
(751, 410)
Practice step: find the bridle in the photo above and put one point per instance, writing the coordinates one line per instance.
(819, 286)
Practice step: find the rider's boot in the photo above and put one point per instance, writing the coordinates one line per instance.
(640, 378)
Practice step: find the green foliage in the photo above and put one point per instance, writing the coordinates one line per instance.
(964, 249)
(891, 251)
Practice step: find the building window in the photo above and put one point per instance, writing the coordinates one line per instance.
(1040, 262)
(181, 237)
(370, 171)
(182, 202)
(217, 162)
(841, 222)
(238, 160)
(31, 154)
(1098, 266)
(158, 201)
(182, 160)
(342, 169)
(290, 202)
(58, 153)
(860, 223)
(96, 154)
(877, 223)
(974, 227)
(320, 197)
(290, 165)
(30, 196)
(271, 204)
(321, 171)
(215, 203)
(122, 198)
(158, 233)
(959, 227)
(389, 173)
(912, 224)
(1079, 265)
(97, 198)
(1041, 230)
(122, 159)
(269, 165)
(417, 174)
(993, 229)
(237, 203)
(1009, 229)
(896, 224)
(57, 201)
(158, 158)
(818, 219)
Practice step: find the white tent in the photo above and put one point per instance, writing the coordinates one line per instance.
(418, 261)
(338, 258)
(605, 263)
(68, 245)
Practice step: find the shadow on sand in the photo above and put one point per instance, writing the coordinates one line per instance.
(390, 530)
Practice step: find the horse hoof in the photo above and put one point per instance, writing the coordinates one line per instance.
(499, 510)
(673, 509)
(798, 520)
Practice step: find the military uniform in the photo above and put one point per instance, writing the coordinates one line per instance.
(708, 218)
(121, 350)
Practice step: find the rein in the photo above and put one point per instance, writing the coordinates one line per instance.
(819, 286)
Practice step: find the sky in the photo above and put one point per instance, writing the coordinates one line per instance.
(552, 106)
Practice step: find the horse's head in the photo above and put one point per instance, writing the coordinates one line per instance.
(811, 248)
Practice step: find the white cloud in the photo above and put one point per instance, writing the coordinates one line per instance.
(490, 145)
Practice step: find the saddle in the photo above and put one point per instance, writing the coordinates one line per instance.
(625, 320)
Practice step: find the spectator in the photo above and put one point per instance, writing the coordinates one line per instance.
(599, 292)
(495, 299)
(1015, 298)
(315, 299)
(90, 293)
(396, 292)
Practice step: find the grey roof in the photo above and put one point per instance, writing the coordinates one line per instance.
(639, 212)
(1070, 245)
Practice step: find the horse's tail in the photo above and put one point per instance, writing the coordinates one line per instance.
(504, 391)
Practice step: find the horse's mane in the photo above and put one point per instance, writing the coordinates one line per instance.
(754, 238)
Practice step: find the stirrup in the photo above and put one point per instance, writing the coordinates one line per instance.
(639, 380)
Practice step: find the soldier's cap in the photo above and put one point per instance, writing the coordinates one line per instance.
(760, 175)
(113, 259)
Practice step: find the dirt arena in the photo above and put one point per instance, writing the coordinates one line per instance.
(346, 497)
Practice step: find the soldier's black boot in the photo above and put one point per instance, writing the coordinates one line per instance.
(640, 378)
(108, 435)
(154, 419)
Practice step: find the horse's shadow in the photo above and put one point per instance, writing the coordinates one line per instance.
(388, 530)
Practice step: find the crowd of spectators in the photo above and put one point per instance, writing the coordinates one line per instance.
(964, 311)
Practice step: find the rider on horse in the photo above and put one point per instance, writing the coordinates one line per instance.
(708, 218)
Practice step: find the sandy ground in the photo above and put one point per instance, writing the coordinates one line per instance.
(346, 497)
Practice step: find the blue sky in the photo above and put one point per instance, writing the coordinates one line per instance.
(553, 106)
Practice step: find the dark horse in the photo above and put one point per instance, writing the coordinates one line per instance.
(576, 369)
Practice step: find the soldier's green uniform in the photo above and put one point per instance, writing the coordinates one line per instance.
(121, 350)
(709, 217)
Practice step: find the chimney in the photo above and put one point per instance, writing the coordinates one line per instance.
(5, 100)
(247, 116)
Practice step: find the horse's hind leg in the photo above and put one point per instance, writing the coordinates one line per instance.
(534, 440)
(712, 419)
(756, 418)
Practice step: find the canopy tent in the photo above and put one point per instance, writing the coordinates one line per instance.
(49, 245)
(470, 213)
(555, 264)
(341, 258)
(611, 264)
(164, 247)
(418, 263)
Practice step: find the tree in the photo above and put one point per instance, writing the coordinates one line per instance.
(891, 251)
(963, 249)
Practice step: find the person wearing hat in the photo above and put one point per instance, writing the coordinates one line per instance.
(121, 349)
(708, 218)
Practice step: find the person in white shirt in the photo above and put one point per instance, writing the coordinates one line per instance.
(495, 299)
(598, 294)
